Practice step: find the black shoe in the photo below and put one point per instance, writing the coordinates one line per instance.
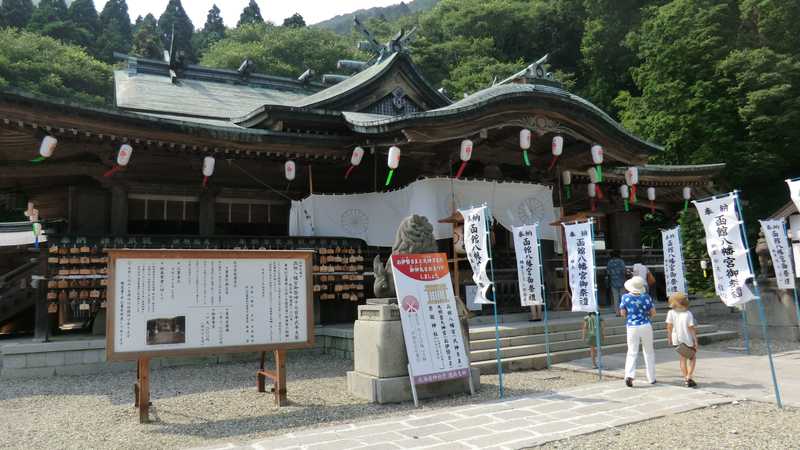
(629, 382)
(690, 383)
(654, 382)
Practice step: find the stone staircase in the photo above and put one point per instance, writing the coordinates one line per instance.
(522, 343)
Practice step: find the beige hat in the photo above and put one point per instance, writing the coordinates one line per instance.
(679, 301)
(635, 285)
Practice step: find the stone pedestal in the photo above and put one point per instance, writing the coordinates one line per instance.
(780, 313)
(380, 362)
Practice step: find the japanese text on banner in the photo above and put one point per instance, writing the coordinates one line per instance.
(476, 246)
(529, 275)
(729, 259)
(778, 244)
(673, 261)
(580, 255)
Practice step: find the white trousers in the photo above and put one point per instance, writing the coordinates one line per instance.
(643, 334)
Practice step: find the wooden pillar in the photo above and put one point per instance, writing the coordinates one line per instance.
(142, 389)
(119, 209)
(207, 217)
(625, 230)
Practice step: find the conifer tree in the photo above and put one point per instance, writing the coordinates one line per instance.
(213, 31)
(50, 18)
(146, 41)
(84, 18)
(15, 13)
(295, 21)
(250, 14)
(115, 30)
(175, 18)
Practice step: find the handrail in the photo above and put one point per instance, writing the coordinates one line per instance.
(21, 270)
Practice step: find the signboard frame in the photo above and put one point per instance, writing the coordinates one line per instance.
(115, 254)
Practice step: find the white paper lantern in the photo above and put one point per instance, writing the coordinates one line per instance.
(597, 154)
(566, 177)
(557, 145)
(208, 166)
(651, 194)
(703, 264)
(48, 146)
(632, 176)
(394, 157)
(593, 176)
(525, 139)
(466, 150)
(289, 170)
(124, 155)
(624, 192)
(357, 156)
(687, 193)
(591, 190)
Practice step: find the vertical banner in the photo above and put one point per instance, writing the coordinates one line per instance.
(477, 248)
(673, 261)
(580, 256)
(526, 246)
(429, 316)
(726, 248)
(778, 244)
(794, 191)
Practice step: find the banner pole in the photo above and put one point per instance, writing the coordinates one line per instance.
(544, 298)
(745, 332)
(597, 307)
(761, 312)
(487, 222)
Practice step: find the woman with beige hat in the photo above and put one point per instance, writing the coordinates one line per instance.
(682, 333)
(638, 310)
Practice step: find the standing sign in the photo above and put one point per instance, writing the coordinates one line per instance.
(794, 191)
(477, 247)
(429, 316)
(580, 257)
(729, 255)
(526, 245)
(778, 244)
(673, 261)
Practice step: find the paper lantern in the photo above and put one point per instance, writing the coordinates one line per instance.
(597, 159)
(566, 180)
(557, 148)
(632, 179)
(651, 195)
(393, 162)
(123, 158)
(465, 155)
(687, 195)
(208, 169)
(624, 193)
(525, 144)
(704, 266)
(355, 160)
(46, 148)
(591, 190)
(289, 170)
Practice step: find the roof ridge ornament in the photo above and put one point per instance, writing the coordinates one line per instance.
(536, 71)
(398, 44)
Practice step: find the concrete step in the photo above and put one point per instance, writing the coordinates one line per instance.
(511, 329)
(539, 338)
(522, 350)
(539, 361)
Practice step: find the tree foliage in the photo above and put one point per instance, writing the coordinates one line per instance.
(115, 30)
(294, 21)
(251, 14)
(213, 31)
(146, 41)
(174, 25)
(15, 13)
(83, 17)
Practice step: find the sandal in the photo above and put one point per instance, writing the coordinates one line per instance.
(690, 383)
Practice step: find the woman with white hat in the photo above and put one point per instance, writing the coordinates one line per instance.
(637, 309)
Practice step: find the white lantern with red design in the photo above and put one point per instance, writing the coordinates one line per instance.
(289, 170)
(557, 148)
(525, 137)
(597, 159)
(594, 179)
(355, 160)
(651, 196)
(624, 192)
(123, 158)
(393, 162)
(465, 155)
(208, 168)
(632, 180)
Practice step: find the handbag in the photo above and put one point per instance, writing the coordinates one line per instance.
(685, 351)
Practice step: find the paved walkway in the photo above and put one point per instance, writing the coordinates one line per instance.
(510, 424)
(735, 375)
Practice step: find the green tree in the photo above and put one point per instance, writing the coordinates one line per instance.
(251, 14)
(41, 65)
(213, 31)
(693, 241)
(146, 41)
(475, 73)
(115, 30)
(84, 18)
(175, 18)
(772, 23)
(295, 21)
(50, 18)
(15, 13)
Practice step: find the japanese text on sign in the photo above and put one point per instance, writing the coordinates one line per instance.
(476, 245)
(673, 261)
(529, 275)
(778, 244)
(580, 255)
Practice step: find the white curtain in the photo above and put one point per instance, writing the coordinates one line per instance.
(375, 216)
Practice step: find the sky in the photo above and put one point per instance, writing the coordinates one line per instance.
(313, 11)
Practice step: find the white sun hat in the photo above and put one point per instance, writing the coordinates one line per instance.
(635, 285)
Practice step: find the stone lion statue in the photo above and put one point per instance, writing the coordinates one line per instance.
(764, 259)
(414, 235)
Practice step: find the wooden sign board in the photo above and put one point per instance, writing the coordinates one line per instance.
(197, 302)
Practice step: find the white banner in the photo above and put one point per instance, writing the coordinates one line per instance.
(529, 275)
(375, 216)
(794, 191)
(729, 259)
(673, 261)
(778, 244)
(429, 316)
(580, 256)
(476, 246)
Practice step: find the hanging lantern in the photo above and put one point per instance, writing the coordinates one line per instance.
(594, 179)
(591, 190)
(123, 158)
(566, 180)
(704, 266)
(393, 163)
(46, 149)
(557, 148)
(624, 192)
(525, 144)
(651, 195)
(687, 195)
(208, 169)
(597, 159)
(33, 217)
(632, 180)
(355, 160)
(466, 155)
(289, 170)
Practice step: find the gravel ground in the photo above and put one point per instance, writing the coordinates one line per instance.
(203, 405)
(745, 425)
(732, 322)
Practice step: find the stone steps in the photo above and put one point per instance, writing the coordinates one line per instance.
(555, 336)
(485, 332)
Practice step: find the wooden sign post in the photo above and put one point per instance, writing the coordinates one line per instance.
(201, 302)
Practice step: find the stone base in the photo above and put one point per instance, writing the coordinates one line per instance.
(780, 313)
(398, 389)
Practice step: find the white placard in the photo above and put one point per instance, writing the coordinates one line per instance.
(674, 274)
(208, 303)
(476, 246)
(529, 275)
(429, 316)
(778, 244)
(729, 259)
(580, 257)
(794, 192)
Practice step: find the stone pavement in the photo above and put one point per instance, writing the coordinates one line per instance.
(735, 375)
(510, 424)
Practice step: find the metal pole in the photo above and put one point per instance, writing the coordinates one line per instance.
(745, 332)
(544, 297)
(487, 222)
(597, 307)
(761, 312)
